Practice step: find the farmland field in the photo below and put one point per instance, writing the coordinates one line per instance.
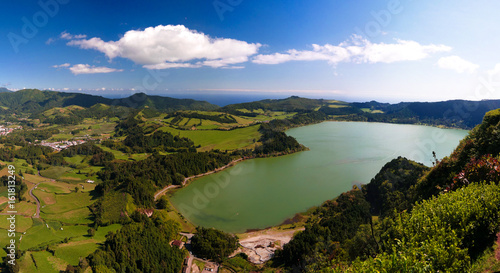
(215, 139)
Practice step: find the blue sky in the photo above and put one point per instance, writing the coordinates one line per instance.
(395, 50)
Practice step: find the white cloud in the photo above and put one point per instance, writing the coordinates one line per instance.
(458, 64)
(170, 46)
(88, 69)
(61, 65)
(66, 36)
(171, 65)
(50, 41)
(356, 50)
(495, 71)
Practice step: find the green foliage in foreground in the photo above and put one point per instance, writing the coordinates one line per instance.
(339, 219)
(442, 234)
(142, 246)
(213, 244)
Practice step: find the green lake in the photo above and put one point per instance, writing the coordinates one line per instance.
(259, 193)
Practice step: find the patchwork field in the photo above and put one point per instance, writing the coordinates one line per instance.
(216, 139)
(64, 222)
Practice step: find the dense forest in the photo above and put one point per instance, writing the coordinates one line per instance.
(213, 244)
(143, 245)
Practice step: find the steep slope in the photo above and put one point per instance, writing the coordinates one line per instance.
(482, 144)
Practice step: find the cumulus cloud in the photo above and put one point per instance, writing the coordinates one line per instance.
(88, 69)
(170, 46)
(458, 64)
(356, 50)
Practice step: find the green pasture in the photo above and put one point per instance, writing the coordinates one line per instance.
(72, 252)
(223, 140)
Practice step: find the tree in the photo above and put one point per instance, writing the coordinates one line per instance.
(213, 244)
(91, 232)
(163, 203)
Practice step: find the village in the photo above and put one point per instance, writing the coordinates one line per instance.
(6, 130)
(61, 145)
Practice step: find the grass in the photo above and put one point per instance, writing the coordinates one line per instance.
(101, 232)
(25, 208)
(486, 262)
(239, 264)
(368, 110)
(122, 156)
(45, 262)
(46, 198)
(77, 159)
(39, 234)
(186, 226)
(55, 172)
(338, 106)
(72, 251)
(26, 263)
(69, 208)
(22, 224)
(68, 202)
(72, 176)
(223, 140)
(66, 253)
(35, 179)
(77, 216)
(56, 187)
(200, 264)
(97, 127)
(19, 164)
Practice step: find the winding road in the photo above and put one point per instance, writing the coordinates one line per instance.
(164, 190)
(37, 214)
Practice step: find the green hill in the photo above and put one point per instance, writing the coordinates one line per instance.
(36, 101)
(452, 113)
(291, 104)
(141, 100)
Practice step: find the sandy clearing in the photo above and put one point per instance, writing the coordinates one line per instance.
(261, 245)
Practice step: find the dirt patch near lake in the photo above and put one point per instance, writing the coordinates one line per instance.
(261, 245)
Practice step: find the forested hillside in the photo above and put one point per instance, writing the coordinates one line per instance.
(454, 113)
(36, 101)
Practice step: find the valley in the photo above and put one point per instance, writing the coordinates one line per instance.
(264, 167)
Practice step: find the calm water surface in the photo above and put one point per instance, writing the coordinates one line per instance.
(260, 193)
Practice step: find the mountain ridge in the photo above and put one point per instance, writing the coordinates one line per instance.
(34, 101)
